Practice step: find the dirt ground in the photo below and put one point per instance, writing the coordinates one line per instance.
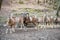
(31, 34)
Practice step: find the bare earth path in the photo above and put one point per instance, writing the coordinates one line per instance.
(42, 34)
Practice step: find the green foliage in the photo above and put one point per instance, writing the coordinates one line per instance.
(56, 4)
(21, 2)
(26, 0)
(2, 19)
(37, 12)
(13, 10)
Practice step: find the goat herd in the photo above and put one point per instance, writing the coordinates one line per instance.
(23, 21)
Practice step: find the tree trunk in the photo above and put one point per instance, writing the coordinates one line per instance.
(0, 3)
